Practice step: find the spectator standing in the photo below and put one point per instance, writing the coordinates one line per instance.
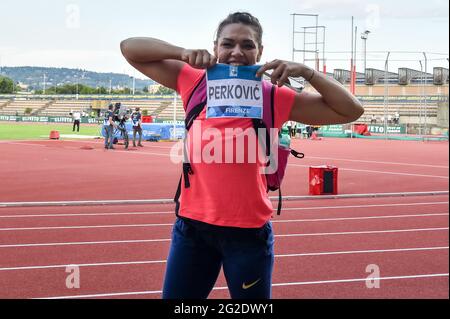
(289, 127)
(293, 129)
(108, 125)
(136, 118)
(397, 118)
(76, 121)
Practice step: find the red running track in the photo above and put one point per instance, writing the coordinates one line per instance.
(65, 170)
(322, 251)
(323, 247)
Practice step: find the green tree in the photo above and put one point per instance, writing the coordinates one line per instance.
(6, 85)
(67, 89)
(164, 91)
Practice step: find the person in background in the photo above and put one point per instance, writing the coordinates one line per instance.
(136, 118)
(293, 129)
(309, 131)
(289, 127)
(76, 120)
(108, 125)
(397, 118)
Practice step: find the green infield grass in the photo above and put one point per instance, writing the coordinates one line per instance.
(28, 131)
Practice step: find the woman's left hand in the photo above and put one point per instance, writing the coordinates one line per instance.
(282, 70)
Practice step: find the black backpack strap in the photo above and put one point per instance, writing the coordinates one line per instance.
(177, 198)
(190, 118)
(193, 114)
(297, 154)
(280, 201)
(187, 168)
(272, 105)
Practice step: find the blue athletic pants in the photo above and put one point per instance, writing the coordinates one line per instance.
(109, 138)
(199, 250)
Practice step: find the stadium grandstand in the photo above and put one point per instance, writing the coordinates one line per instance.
(410, 94)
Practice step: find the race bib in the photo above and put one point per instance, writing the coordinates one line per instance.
(234, 92)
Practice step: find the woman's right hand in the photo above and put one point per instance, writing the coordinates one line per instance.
(199, 59)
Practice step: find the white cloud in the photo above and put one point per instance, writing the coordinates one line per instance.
(398, 9)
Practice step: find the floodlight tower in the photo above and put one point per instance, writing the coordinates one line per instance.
(364, 36)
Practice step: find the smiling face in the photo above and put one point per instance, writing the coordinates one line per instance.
(237, 44)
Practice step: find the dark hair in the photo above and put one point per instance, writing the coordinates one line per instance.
(244, 18)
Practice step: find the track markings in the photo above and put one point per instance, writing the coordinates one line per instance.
(168, 239)
(364, 232)
(284, 209)
(274, 222)
(129, 263)
(377, 162)
(309, 157)
(156, 292)
(379, 172)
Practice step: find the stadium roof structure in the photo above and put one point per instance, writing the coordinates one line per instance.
(344, 76)
(440, 76)
(374, 76)
(407, 76)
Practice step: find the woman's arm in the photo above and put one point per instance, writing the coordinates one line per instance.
(333, 105)
(162, 61)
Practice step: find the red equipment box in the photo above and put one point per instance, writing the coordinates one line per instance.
(323, 180)
(54, 135)
(147, 119)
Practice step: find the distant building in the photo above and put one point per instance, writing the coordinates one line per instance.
(23, 86)
(153, 88)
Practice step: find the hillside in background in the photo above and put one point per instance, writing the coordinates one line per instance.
(33, 77)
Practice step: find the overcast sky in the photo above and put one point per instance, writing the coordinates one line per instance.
(86, 33)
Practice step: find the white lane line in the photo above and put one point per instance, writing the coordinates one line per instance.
(87, 214)
(168, 239)
(154, 292)
(355, 218)
(363, 252)
(85, 227)
(379, 172)
(87, 203)
(376, 162)
(99, 149)
(274, 221)
(365, 206)
(284, 209)
(308, 157)
(364, 232)
(125, 263)
(356, 280)
(27, 144)
(88, 243)
(101, 143)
